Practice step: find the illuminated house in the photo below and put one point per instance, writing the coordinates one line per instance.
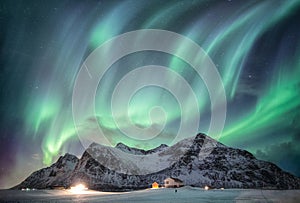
(155, 185)
(173, 182)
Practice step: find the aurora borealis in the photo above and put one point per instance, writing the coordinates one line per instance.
(255, 46)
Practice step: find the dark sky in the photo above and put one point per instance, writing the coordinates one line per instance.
(253, 46)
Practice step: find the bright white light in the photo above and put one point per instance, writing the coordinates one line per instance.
(78, 189)
(206, 188)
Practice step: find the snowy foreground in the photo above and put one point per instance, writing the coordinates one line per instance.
(185, 194)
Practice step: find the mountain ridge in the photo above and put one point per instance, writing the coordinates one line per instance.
(138, 151)
(198, 161)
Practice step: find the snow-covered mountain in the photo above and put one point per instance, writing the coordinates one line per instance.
(197, 161)
(55, 175)
(136, 151)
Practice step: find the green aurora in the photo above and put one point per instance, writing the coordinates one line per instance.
(276, 100)
(254, 45)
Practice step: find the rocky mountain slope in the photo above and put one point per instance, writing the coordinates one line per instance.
(131, 150)
(55, 175)
(197, 161)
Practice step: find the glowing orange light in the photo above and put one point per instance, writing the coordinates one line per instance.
(155, 185)
(78, 188)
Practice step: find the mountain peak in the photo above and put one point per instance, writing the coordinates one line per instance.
(69, 156)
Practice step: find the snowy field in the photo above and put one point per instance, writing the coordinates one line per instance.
(185, 194)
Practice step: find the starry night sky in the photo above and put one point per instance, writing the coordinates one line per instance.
(255, 45)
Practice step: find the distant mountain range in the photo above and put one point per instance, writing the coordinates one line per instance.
(197, 161)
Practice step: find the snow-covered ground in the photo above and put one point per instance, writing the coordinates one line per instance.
(185, 194)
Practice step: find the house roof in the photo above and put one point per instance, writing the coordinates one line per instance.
(176, 179)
